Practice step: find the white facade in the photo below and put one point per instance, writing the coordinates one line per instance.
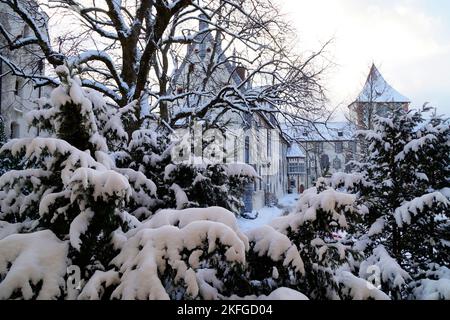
(326, 149)
(17, 95)
(296, 161)
(257, 140)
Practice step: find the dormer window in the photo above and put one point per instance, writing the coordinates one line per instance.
(179, 90)
(340, 133)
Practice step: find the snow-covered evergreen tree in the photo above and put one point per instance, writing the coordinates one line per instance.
(184, 184)
(72, 193)
(406, 171)
(311, 249)
(319, 227)
(72, 208)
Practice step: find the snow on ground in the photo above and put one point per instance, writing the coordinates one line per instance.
(267, 214)
(289, 200)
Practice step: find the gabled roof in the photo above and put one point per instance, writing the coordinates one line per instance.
(201, 42)
(378, 90)
(322, 132)
(295, 151)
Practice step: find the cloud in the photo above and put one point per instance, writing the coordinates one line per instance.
(408, 39)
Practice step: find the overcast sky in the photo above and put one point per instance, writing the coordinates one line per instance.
(409, 40)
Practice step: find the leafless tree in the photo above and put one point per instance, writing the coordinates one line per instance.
(130, 50)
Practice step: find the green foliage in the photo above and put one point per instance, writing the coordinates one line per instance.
(406, 164)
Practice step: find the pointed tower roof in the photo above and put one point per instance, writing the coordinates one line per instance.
(377, 89)
(202, 41)
(294, 151)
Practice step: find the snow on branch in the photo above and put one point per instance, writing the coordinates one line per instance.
(415, 145)
(359, 289)
(150, 252)
(31, 260)
(240, 170)
(417, 205)
(329, 202)
(436, 286)
(267, 241)
(391, 272)
(34, 148)
(97, 55)
(182, 218)
(345, 180)
(94, 288)
(104, 184)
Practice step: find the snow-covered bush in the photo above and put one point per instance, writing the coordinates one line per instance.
(32, 266)
(184, 184)
(196, 253)
(207, 185)
(318, 227)
(273, 262)
(390, 275)
(179, 263)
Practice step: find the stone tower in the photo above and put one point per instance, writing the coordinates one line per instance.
(376, 98)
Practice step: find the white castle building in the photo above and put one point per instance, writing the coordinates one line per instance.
(319, 150)
(322, 149)
(17, 94)
(286, 160)
(257, 141)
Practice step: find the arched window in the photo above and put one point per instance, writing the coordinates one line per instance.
(15, 130)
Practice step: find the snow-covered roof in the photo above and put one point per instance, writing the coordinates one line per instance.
(330, 131)
(377, 89)
(295, 151)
